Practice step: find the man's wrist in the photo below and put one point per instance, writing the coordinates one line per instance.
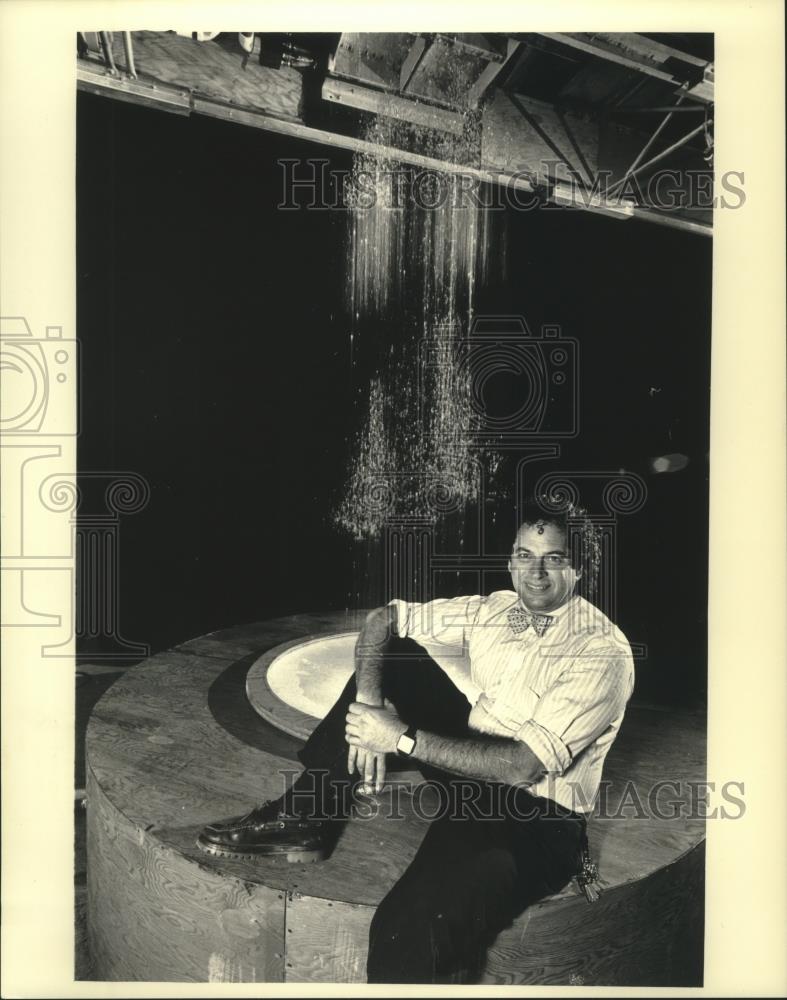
(368, 696)
(368, 682)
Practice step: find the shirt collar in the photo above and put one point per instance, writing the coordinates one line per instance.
(559, 614)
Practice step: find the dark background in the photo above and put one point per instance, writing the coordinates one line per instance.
(216, 364)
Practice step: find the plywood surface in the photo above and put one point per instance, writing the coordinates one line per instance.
(154, 915)
(211, 69)
(174, 745)
(647, 933)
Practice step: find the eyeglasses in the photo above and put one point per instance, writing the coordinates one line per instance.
(553, 560)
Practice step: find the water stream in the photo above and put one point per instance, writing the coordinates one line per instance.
(418, 249)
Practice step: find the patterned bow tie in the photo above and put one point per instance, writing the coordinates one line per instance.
(520, 620)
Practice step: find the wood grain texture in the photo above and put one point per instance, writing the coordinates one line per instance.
(174, 744)
(646, 933)
(155, 916)
(212, 70)
(521, 135)
(327, 941)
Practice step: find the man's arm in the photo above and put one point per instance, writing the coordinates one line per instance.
(506, 760)
(369, 650)
(509, 761)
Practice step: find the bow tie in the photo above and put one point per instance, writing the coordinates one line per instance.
(520, 620)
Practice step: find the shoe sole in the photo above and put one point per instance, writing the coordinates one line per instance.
(289, 855)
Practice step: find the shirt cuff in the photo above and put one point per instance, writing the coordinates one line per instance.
(401, 616)
(550, 749)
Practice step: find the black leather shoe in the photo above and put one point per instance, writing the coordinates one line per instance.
(267, 831)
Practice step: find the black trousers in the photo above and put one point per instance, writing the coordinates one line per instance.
(490, 851)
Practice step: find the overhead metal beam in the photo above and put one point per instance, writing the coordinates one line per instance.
(491, 73)
(158, 96)
(383, 103)
(629, 51)
(183, 101)
(650, 49)
(623, 208)
(592, 46)
(662, 109)
(412, 59)
(674, 221)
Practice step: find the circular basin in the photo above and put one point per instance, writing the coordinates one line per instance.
(294, 685)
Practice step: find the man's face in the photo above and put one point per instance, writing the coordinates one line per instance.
(540, 569)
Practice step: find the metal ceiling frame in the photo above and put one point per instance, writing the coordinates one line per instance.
(644, 55)
(637, 167)
(183, 100)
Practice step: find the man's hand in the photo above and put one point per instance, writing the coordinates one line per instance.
(371, 768)
(371, 732)
(375, 729)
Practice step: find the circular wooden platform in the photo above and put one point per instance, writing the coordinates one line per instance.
(175, 744)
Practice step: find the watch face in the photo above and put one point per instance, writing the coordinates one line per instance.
(406, 744)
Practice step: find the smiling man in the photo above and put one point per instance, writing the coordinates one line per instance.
(517, 764)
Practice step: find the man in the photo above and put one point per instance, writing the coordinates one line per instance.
(517, 771)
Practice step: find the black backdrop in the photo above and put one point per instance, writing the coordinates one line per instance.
(215, 363)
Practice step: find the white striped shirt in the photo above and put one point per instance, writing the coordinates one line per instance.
(563, 694)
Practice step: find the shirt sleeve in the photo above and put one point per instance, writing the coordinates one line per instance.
(443, 624)
(585, 701)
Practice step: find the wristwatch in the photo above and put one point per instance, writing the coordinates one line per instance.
(405, 745)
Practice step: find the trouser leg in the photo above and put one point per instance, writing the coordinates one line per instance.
(468, 880)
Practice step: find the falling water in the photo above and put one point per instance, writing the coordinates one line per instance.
(413, 229)
(418, 249)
